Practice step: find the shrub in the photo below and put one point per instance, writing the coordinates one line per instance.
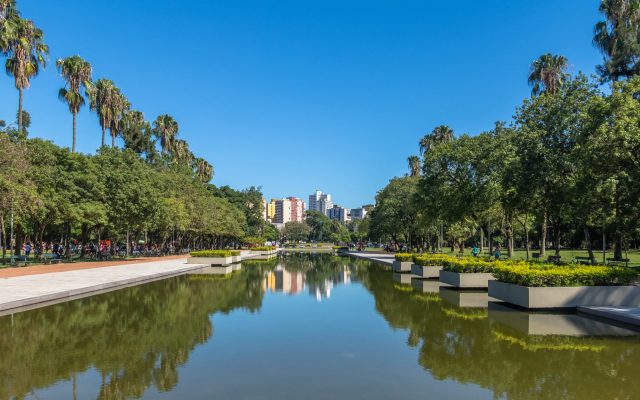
(263, 248)
(403, 257)
(431, 260)
(467, 265)
(215, 253)
(551, 275)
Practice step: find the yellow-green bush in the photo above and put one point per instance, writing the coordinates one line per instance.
(215, 253)
(404, 257)
(467, 265)
(431, 260)
(551, 275)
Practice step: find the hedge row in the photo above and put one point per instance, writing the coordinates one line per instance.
(404, 257)
(468, 265)
(263, 248)
(551, 275)
(215, 253)
(431, 260)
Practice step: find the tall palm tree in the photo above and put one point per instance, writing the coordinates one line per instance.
(414, 165)
(119, 107)
(26, 54)
(440, 135)
(618, 38)
(8, 15)
(102, 95)
(165, 128)
(181, 153)
(76, 72)
(548, 73)
(203, 170)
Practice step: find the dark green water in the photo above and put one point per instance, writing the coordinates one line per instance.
(309, 327)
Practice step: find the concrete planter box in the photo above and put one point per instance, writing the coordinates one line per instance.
(236, 267)
(265, 253)
(466, 280)
(236, 259)
(210, 260)
(426, 286)
(401, 266)
(465, 299)
(565, 297)
(222, 270)
(425, 271)
(404, 279)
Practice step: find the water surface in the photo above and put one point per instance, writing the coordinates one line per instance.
(312, 327)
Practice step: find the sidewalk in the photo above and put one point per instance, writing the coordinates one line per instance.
(37, 288)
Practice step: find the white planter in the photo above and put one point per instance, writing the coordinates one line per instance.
(465, 299)
(236, 267)
(565, 297)
(425, 271)
(221, 270)
(210, 260)
(466, 280)
(236, 259)
(404, 279)
(265, 252)
(401, 266)
(426, 286)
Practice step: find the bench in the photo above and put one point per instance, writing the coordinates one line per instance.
(50, 259)
(583, 260)
(618, 261)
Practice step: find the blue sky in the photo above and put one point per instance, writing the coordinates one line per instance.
(298, 95)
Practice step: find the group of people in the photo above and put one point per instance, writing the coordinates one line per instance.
(93, 250)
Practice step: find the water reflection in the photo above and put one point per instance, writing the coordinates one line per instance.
(141, 340)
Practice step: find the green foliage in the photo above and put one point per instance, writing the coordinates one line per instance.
(467, 265)
(320, 226)
(551, 275)
(215, 253)
(431, 260)
(404, 257)
(264, 248)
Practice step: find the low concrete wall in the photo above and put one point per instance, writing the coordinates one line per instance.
(425, 272)
(401, 266)
(404, 279)
(210, 260)
(565, 297)
(466, 280)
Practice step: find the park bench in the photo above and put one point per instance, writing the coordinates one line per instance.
(618, 261)
(553, 259)
(14, 260)
(50, 259)
(583, 260)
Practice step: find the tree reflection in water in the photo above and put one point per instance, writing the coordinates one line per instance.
(464, 345)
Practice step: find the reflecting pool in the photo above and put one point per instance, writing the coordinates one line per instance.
(310, 327)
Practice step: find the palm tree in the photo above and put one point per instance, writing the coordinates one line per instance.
(181, 153)
(119, 107)
(26, 54)
(165, 128)
(414, 165)
(8, 15)
(618, 38)
(548, 73)
(76, 72)
(101, 96)
(203, 170)
(440, 135)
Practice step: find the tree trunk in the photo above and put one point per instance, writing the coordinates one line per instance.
(3, 237)
(113, 139)
(556, 237)
(481, 240)
(20, 91)
(127, 241)
(103, 133)
(510, 236)
(543, 235)
(73, 144)
(587, 238)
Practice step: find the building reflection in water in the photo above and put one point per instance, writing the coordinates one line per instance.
(293, 281)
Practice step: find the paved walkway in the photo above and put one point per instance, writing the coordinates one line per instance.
(628, 315)
(383, 258)
(36, 290)
(63, 267)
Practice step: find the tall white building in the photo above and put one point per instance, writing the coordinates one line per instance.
(358, 213)
(340, 213)
(282, 212)
(320, 202)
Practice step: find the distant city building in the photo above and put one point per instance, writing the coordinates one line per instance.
(358, 213)
(269, 210)
(282, 212)
(321, 202)
(297, 209)
(339, 213)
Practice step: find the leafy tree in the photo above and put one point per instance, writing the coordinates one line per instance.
(76, 72)
(320, 226)
(102, 96)
(440, 135)
(137, 134)
(165, 129)
(414, 165)
(296, 231)
(618, 38)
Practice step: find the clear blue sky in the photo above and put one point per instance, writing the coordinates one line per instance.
(299, 95)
